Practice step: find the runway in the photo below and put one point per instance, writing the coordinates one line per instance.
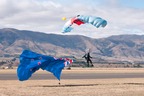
(85, 75)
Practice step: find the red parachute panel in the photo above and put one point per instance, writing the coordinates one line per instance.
(76, 21)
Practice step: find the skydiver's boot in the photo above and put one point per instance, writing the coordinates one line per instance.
(92, 65)
(69, 68)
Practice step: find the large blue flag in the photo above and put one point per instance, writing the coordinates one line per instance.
(30, 62)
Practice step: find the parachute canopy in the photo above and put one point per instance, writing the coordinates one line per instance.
(81, 19)
(30, 62)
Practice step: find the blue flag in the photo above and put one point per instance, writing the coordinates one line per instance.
(30, 62)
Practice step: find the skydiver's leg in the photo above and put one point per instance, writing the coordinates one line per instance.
(88, 63)
(91, 62)
(69, 68)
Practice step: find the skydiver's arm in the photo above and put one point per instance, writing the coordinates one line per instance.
(84, 56)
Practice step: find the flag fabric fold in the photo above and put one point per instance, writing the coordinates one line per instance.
(30, 62)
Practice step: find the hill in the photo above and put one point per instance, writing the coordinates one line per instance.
(114, 48)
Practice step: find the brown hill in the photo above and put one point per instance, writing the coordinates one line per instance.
(114, 48)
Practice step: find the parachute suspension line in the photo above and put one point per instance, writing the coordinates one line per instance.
(83, 30)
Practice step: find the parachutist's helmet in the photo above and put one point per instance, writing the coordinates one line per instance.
(78, 15)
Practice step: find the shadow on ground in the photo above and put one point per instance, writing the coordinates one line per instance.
(75, 85)
(66, 85)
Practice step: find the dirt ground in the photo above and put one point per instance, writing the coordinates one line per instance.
(75, 87)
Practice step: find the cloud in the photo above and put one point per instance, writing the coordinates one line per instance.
(45, 16)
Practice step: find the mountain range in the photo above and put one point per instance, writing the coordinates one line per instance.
(113, 48)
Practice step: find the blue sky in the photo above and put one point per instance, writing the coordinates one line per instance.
(124, 3)
(133, 3)
(123, 16)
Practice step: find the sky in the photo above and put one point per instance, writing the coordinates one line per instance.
(123, 16)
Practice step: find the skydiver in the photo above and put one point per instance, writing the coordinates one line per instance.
(88, 59)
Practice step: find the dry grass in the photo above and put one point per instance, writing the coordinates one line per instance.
(83, 87)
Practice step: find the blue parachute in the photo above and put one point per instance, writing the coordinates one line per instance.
(80, 19)
(30, 62)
